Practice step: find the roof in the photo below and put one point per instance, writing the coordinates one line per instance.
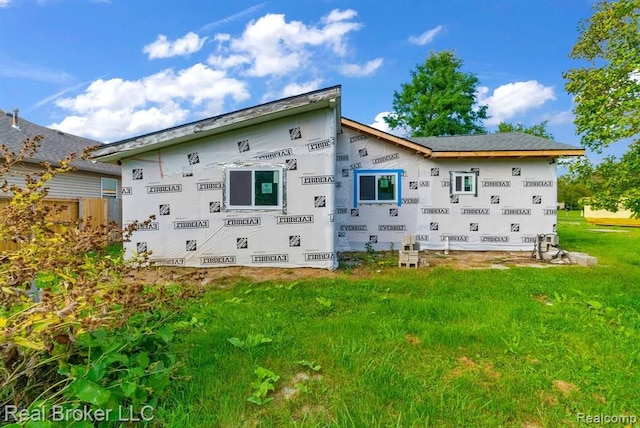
(502, 144)
(322, 98)
(394, 139)
(54, 147)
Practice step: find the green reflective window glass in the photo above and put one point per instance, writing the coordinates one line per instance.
(386, 188)
(266, 188)
(468, 183)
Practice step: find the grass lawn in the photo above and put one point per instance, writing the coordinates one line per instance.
(523, 347)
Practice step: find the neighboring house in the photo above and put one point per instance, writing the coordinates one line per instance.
(291, 182)
(621, 217)
(91, 179)
(90, 193)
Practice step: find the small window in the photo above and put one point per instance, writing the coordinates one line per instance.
(254, 189)
(377, 186)
(464, 183)
(109, 187)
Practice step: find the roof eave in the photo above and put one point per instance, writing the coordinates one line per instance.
(328, 98)
(508, 153)
(381, 135)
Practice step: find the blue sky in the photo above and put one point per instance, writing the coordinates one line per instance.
(111, 69)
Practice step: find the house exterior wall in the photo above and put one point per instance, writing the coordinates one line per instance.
(76, 184)
(515, 201)
(186, 186)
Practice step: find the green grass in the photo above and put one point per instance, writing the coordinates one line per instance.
(438, 347)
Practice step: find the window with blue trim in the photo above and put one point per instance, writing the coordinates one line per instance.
(377, 187)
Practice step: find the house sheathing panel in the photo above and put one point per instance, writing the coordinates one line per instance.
(514, 199)
(186, 187)
(342, 186)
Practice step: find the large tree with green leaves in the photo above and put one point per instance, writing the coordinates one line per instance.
(539, 130)
(439, 100)
(607, 100)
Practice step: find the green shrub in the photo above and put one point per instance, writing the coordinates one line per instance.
(93, 336)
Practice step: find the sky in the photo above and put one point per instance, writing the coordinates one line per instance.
(113, 69)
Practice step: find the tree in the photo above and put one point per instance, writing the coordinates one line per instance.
(607, 101)
(539, 130)
(613, 183)
(572, 192)
(439, 100)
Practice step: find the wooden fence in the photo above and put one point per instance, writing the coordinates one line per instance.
(93, 211)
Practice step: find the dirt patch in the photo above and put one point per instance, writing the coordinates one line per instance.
(542, 299)
(223, 276)
(548, 399)
(466, 365)
(290, 390)
(481, 259)
(414, 340)
(311, 411)
(565, 388)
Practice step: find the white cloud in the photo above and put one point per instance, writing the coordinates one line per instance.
(269, 46)
(559, 118)
(356, 70)
(337, 15)
(226, 62)
(116, 108)
(5, 3)
(300, 88)
(163, 48)
(380, 124)
(512, 99)
(274, 47)
(291, 90)
(426, 37)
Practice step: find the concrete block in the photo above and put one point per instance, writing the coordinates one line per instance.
(583, 259)
(408, 239)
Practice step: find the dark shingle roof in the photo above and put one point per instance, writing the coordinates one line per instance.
(501, 141)
(55, 145)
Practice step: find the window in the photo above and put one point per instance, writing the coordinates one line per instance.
(464, 183)
(254, 189)
(108, 187)
(377, 187)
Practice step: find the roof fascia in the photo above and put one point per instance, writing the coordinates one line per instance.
(329, 98)
(508, 153)
(380, 135)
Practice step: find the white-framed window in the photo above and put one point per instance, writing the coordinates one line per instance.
(464, 183)
(259, 188)
(377, 186)
(108, 187)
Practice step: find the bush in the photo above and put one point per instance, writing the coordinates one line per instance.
(94, 335)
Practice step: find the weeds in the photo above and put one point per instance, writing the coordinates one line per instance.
(265, 383)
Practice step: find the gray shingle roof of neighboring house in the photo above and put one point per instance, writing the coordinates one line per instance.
(54, 147)
(500, 141)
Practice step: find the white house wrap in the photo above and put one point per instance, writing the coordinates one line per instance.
(512, 199)
(289, 183)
